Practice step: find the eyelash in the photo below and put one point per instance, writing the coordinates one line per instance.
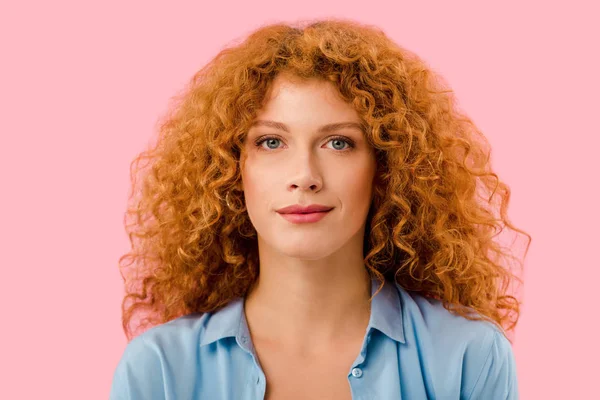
(263, 139)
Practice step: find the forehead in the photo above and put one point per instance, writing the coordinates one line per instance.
(297, 101)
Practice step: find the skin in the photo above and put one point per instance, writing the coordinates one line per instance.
(312, 294)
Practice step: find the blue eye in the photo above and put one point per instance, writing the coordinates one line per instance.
(268, 140)
(340, 141)
(271, 140)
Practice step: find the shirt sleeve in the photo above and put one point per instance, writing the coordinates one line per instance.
(138, 374)
(497, 379)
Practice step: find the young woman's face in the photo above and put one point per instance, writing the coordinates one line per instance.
(299, 162)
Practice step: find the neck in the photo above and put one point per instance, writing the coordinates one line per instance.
(305, 308)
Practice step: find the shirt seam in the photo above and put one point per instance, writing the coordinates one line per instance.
(119, 384)
(483, 366)
(164, 380)
(510, 386)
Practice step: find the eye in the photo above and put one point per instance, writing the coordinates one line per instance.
(341, 139)
(269, 140)
(272, 143)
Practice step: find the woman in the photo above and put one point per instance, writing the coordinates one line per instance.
(312, 228)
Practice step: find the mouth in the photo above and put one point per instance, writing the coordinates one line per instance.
(299, 218)
(310, 212)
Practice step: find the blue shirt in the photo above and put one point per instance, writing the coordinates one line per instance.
(413, 349)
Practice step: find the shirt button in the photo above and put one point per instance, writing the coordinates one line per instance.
(357, 372)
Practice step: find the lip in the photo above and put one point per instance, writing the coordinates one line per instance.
(298, 209)
(305, 217)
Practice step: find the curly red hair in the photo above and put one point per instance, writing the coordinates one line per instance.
(193, 247)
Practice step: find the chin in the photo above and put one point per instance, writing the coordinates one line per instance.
(307, 250)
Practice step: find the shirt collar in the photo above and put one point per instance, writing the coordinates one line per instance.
(386, 316)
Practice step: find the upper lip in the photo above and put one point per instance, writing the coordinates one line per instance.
(298, 209)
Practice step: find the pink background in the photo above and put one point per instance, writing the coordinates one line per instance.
(83, 84)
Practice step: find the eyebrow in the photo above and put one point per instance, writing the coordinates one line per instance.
(323, 129)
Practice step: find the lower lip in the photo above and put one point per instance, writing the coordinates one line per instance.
(303, 218)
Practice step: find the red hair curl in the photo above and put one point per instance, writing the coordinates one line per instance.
(432, 221)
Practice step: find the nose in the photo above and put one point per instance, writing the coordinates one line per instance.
(306, 175)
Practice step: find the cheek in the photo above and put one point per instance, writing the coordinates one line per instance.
(357, 182)
(257, 187)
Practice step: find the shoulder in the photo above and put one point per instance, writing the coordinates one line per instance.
(170, 338)
(477, 351)
(173, 339)
(144, 369)
(430, 319)
(178, 332)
